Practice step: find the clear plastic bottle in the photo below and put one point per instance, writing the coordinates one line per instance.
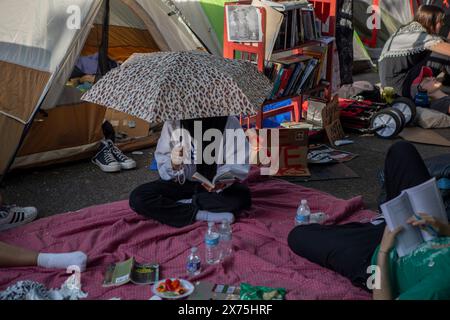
(226, 236)
(303, 214)
(212, 247)
(194, 264)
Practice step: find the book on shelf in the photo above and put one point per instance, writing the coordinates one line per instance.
(299, 25)
(305, 83)
(292, 75)
(321, 54)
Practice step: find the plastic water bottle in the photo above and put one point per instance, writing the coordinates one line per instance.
(212, 239)
(226, 235)
(303, 213)
(194, 263)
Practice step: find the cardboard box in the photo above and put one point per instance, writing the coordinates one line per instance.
(125, 124)
(292, 146)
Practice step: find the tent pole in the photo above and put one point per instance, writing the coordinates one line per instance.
(103, 60)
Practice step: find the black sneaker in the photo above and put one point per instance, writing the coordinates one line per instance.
(125, 162)
(105, 160)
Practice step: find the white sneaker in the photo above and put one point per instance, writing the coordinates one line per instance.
(13, 216)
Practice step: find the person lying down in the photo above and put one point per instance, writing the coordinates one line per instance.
(425, 81)
(186, 149)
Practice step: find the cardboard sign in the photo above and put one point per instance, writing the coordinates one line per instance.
(331, 112)
(335, 132)
(292, 147)
(331, 121)
(419, 135)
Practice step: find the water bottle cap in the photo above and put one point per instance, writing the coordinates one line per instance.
(304, 201)
(194, 249)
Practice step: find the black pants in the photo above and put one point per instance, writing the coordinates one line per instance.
(347, 249)
(158, 200)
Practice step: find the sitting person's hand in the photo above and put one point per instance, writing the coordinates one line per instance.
(426, 220)
(177, 158)
(388, 241)
(218, 187)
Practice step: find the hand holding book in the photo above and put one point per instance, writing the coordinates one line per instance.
(218, 187)
(407, 211)
(430, 224)
(218, 184)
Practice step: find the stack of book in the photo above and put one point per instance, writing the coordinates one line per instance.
(296, 74)
(298, 26)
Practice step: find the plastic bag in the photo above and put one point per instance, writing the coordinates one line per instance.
(249, 292)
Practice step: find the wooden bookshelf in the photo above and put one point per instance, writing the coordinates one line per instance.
(325, 10)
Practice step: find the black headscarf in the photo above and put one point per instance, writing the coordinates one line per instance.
(208, 171)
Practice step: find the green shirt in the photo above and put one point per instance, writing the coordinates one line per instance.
(422, 275)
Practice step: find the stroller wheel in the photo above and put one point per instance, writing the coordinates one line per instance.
(400, 115)
(407, 107)
(386, 124)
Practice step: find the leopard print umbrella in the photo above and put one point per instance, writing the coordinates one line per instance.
(163, 86)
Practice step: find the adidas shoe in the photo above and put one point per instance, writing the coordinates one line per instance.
(105, 160)
(126, 163)
(13, 216)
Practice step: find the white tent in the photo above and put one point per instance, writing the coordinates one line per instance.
(39, 44)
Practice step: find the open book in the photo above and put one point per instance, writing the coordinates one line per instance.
(424, 198)
(123, 272)
(228, 177)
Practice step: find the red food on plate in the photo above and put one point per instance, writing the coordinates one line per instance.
(169, 286)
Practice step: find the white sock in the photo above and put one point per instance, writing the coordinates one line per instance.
(203, 215)
(62, 260)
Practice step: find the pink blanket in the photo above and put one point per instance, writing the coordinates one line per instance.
(112, 232)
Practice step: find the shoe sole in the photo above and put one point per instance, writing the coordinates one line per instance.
(128, 166)
(9, 226)
(108, 169)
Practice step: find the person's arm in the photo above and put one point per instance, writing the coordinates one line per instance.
(168, 158)
(384, 292)
(442, 48)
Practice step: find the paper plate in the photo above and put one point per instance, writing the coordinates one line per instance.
(189, 287)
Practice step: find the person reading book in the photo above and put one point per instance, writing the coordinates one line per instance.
(417, 267)
(193, 187)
